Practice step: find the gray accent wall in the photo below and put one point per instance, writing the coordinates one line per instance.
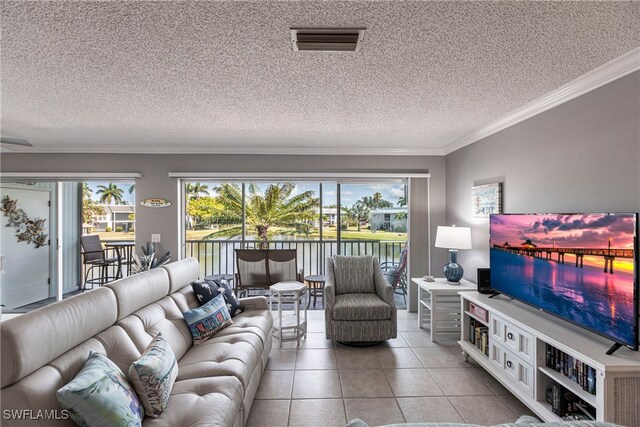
(582, 156)
(156, 183)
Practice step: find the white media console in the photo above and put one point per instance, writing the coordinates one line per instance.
(517, 341)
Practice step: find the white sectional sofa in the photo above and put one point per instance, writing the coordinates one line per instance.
(217, 380)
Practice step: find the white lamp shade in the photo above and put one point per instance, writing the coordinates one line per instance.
(453, 237)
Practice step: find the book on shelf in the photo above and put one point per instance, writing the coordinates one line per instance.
(572, 368)
(567, 405)
(561, 399)
(479, 336)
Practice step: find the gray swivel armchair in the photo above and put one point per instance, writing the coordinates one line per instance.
(359, 301)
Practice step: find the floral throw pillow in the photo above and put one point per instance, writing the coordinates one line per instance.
(206, 320)
(101, 396)
(153, 375)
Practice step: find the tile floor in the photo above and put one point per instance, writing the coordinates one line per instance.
(408, 379)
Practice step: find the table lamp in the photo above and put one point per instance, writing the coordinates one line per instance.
(453, 238)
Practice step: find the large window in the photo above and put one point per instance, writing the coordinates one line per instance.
(108, 210)
(319, 219)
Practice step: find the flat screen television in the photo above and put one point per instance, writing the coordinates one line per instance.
(582, 268)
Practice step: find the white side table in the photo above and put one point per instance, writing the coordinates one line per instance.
(288, 327)
(439, 305)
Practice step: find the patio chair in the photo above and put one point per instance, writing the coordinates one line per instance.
(261, 268)
(396, 273)
(94, 256)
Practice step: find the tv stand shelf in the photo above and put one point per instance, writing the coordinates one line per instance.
(518, 336)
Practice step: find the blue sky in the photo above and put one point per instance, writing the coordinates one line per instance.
(93, 185)
(350, 192)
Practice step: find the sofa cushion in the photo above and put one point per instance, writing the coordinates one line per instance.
(182, 273)
(360, 307)
(353, 274)
(101, 396)
(202, 402)
(233, 355)
(258, 322)
(208, 319)
(153, 375)
(140, 290)
(52, 331)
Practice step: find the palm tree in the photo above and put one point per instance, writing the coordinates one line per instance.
(275, 208)
(195, 190)
(349, 216)
(132, 188)
(402, 202)
(86, 191)
(376, 201)
(110, 193)
(361, 211)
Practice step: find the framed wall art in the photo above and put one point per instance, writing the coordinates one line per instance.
(486, 200)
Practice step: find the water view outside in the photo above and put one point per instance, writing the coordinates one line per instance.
(281, 215)
(580, 267)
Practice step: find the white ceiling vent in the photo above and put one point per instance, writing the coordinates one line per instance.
(327, 39)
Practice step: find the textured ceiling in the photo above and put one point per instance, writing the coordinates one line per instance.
(221, 76)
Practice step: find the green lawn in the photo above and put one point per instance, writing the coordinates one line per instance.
(328, 233)
(116, 235)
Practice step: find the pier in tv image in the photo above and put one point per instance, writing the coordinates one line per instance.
(579, 267)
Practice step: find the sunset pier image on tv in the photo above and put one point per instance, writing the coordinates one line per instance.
(580, 267)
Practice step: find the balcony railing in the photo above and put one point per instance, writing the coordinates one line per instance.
(217, 256)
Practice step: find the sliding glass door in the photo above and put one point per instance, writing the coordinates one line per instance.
(42, 224)
(319, 219)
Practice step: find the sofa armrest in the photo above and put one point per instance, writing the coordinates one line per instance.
(383, 288)
(254, 303)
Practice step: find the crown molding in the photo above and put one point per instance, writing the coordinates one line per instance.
(606, 73)
(262, 150)
(69, 175)
(298, 175)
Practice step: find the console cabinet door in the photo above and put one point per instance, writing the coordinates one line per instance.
(513, 338)
(519, 372)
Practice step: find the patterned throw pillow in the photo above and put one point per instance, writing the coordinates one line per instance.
(101, 396)
(233, 305)
(205, 321)
(207, 290)
(153, 375)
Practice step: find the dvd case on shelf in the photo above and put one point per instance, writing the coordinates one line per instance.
(572, 368)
